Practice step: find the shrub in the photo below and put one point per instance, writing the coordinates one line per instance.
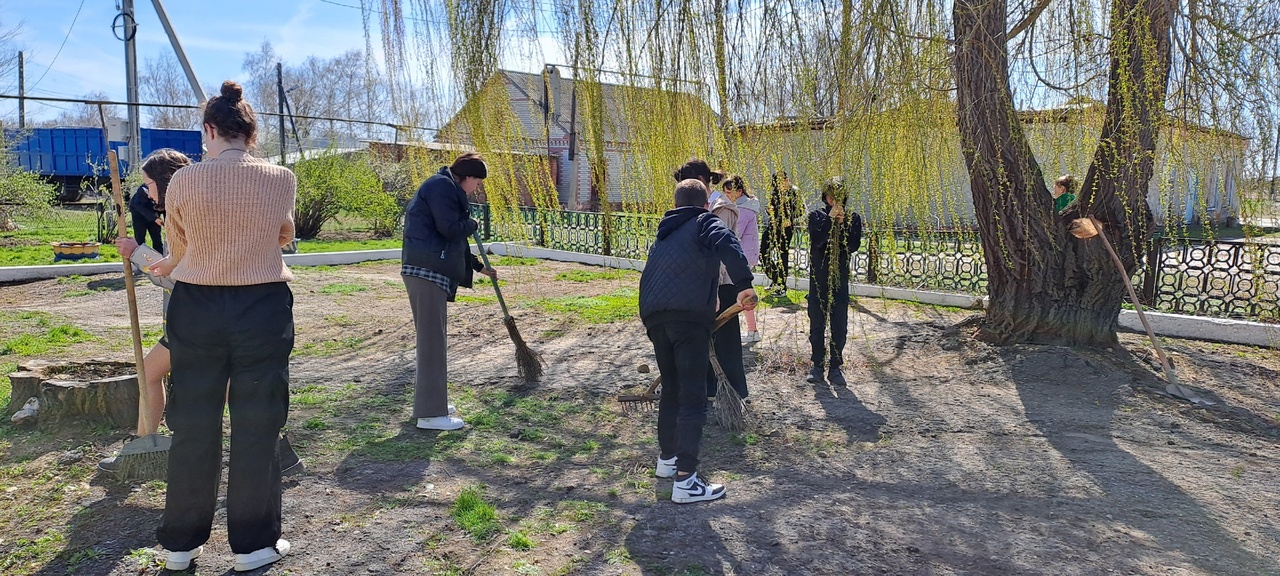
(329, 184)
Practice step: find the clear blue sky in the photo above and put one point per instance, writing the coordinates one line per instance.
(216, 35)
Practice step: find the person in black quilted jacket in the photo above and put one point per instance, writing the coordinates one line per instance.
(678, 306)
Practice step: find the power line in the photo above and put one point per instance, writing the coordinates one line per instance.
(64, 43)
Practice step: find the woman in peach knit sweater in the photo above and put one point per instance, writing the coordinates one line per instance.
(230, 318)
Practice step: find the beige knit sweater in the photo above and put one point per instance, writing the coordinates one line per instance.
(227, 219)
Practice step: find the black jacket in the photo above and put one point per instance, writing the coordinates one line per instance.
(681, 277)
(437, 224)
(142, 205)
(829, 240)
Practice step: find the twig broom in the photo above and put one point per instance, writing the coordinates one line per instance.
(528, 362)
(146, 458)
(728, 407)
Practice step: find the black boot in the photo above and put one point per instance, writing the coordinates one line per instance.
(290, 463)
(815, 375)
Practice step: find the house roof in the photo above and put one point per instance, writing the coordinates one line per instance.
(615, 97)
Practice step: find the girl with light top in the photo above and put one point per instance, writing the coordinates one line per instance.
(230, 318)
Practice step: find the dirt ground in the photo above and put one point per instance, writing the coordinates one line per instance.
(943, 456)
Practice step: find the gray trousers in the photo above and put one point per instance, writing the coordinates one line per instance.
(431, 391)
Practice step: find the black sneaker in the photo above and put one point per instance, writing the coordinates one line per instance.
(836, 377)
(693, 489)
(815, 376)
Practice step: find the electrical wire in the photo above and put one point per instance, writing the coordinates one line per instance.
(64, 44)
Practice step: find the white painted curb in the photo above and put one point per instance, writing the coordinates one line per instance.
(1176, 325)
(23, 273)
(1203, 328)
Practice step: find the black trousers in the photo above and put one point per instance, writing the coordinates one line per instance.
(828, 305)
(728, 344)
(777, 254)
(681, 349)
(142, 227)
(243, 334)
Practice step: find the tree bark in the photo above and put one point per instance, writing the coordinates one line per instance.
(1045, 285)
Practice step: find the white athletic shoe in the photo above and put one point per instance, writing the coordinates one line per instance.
(693, 489)
(179, 561)
(441, 423)
(255, 560)
(750, 337)
(665, 468)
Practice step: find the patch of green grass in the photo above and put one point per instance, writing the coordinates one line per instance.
(318, 246)
(81, 557)
(34, 345)
(792, 298)
(470, 299)
(524, 568)
(24, 552)
(6, 388)
(519, 541)
(343, 288)
(747, 439)
(618, 306)
(593, 275)
(146, 557)
(475, 516)
(485, 281)
(617, 556)
(515, 261)
(340, 320)
(315, 423)
(329, 347)
(553, 333)
(582, 510)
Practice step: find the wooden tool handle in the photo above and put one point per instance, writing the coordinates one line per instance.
(485, 257)
(117, 191)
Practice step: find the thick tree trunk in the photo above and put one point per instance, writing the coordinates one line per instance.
(1045, 285)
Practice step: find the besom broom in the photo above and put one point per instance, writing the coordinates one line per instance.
(528, 362)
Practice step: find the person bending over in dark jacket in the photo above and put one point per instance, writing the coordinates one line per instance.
(435, 260)
(834, 235)
(146, 218)
(678, 306)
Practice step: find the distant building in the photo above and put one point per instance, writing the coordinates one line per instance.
(1198, 170)
(545, 115)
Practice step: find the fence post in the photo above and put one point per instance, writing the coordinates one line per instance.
(873, 257)
(488, 232)
(1155, 252)
(607, 228)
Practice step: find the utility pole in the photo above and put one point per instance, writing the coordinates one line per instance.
(131, 82)
(22, 94)
(280, 105)
(179, 52)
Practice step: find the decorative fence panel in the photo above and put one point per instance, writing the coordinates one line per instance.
(1225, 279)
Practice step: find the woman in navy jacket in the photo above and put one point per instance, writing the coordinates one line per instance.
(435, 260)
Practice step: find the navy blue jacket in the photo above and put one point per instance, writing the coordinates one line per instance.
(681, 277)
(828, 240)
(437, 223)
(142, 205)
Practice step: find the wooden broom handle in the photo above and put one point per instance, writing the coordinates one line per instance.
(117, 191)
(1137, 305)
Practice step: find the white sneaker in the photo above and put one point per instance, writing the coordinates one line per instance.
(255, 560)
(665, 468)
(452, 410)
(179, 561)
(693, 489)
(750, 337)
(441, 423)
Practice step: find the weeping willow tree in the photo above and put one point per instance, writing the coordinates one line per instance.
(937, 114)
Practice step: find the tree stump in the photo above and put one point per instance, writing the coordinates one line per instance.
(94, 392)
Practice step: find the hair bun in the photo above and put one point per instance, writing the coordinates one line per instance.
(232, 91)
